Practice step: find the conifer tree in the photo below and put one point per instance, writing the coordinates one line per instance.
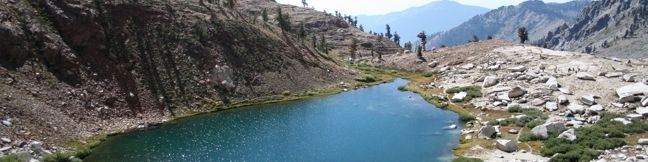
(523, 34)
(397, 38)
(284, 20)
(388, 33)
(423, 40)
(353, 48)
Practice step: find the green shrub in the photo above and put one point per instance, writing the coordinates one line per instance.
(465, 159)
(60, 157)
(428, 74)
(285, 93)
(366, 79)
(402, 88)
(526, 136)
(82, 153)
(472, 92)
(515, 109)
(535, 123)
(606, 134)
(12, 158)
(463, 117)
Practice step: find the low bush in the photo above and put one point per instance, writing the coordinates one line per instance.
(61, 157)
(472, 92)
(515, 109)
(12, 158)
(366, 79)
(402, 88)
(428, 74)
(463, 117)
(527, 136)
(606, 134)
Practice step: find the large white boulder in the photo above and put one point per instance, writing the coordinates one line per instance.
(551, 106)
(565, 91)
(630, 78)
(518, 69)
(503, 96)
(562, 99)
(644, 101)
(459, 96)
(468, 66)
(576, 109)
(628, 93)
(506, 145)
(433, 64)
(487, 132)
(585, 76)
(643, 141)
(516, 92)
(569, 135)
(595, 109)
(588, 100)
(552, 83)
(538, 102)
(545, 129)
(490, 81)
(614, 74)
(642, 111)
(622, 120)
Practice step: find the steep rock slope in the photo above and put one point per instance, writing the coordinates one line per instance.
(614, 28)
(433, 17)
(73, 68)
(502, 23)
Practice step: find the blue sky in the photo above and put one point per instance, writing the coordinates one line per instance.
(379, 7)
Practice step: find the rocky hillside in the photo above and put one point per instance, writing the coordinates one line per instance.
(615, 28)
(337, 32)
(71, 69)
(433, 17)
(502, 23)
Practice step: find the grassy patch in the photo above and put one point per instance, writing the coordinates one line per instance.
(606, 134)
(366, 78)
(464, 117)
(12, 158)
(466, 159)
(472, 92)
(61, 157)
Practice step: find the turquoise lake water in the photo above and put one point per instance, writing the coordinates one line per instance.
(373, 124)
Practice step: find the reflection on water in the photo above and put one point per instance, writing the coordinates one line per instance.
(373, 124)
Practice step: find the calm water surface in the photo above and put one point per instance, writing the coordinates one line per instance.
(372, 124)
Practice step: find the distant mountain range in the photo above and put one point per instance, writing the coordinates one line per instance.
(502, 23)
(433, 17)
(609, 28)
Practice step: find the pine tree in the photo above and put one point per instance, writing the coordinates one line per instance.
(231, 4)
(284, 20)
(362, 28)
(423, 40)
(523, 34)
(388, 33)
(264, 15)
(323, 45)
(397, 38)
(408, 46)
(302, 31)
(475, 38)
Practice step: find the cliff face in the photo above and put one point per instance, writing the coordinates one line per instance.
(614, 28)
(72, 68)
(502, 23)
